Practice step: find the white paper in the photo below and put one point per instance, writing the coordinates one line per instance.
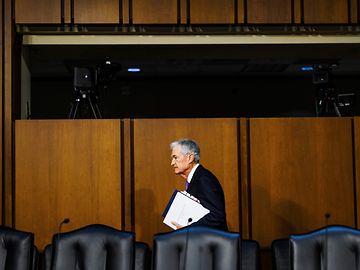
(184, 211)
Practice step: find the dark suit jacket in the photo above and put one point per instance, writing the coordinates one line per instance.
(206, 187)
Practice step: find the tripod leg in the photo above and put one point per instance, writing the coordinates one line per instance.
(92, 107)
(336, 108)
(73, 110)
(98, 111)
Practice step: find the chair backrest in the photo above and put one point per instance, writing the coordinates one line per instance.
(280, 249)
(17, 250)
(329, 248)
(250, 255)
(93, 247)
(197, 248)
(142, 256)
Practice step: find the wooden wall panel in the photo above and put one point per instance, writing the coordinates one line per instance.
(154, 179)
(300, 170)
(240, 11)
(298, 11)
(212, 11)
(7, 113)
(245, 178)
(154, 11)
(184, 12)
(325, 11)
(354, 5)
(94, 11)
(66, 168)
(67, 11)
(125, 11)
(2, 53)
(265, 11)
(37, 11)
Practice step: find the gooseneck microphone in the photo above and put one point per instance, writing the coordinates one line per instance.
(65, 221)
(186, 242)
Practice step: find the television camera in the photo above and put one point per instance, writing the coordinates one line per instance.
(88, 83)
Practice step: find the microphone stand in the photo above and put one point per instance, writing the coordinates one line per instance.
(65, 221)
(186, 242)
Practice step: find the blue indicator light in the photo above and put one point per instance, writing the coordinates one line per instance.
(307, 68)
(133, 69)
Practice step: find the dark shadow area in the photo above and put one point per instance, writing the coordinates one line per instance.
(147, 97)
(243, 80)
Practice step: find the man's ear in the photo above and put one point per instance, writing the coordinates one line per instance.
(191, 158)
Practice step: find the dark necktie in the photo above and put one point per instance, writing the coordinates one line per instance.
(186, 185)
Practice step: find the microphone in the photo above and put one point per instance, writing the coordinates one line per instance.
(186, 242)
(65, 221)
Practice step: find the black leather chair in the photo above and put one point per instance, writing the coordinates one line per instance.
(280, 249)
(94, 247)
(250, 255)
(17, 250)
(197, 248)
(142, 256)
(331, 248)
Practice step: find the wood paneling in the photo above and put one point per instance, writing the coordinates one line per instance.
(1, 101)
(325, 11)
(354, 5)
(154, 11)
(297, 11)
(184, 11)
(94, 11)
(7, 114)
(212, 11)
(155, 181)
(127, 137)
(125, 11)
(265, 11)
(37, 11)
(240, 11)
(67, 11)
(300, 170)
(245, 226)
(66, 168)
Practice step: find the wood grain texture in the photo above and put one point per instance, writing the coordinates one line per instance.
(94, 11)
(354, 7)
(155, 180)
(325, 11)
(1, 99)
(265, 11)
(212, 11)
(66, 168)
(154, 11)
(7, 113)
(245, 226)
(37, 11)
(300, 170)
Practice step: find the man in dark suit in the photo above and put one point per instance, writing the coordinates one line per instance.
(200, 183)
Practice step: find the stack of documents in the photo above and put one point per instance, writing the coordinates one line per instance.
(184, 209)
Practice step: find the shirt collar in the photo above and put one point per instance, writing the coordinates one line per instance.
(192, 173)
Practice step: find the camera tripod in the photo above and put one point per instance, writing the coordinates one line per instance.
(85, 105)
(327, 102)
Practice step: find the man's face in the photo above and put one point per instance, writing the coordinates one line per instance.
(180, 162)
